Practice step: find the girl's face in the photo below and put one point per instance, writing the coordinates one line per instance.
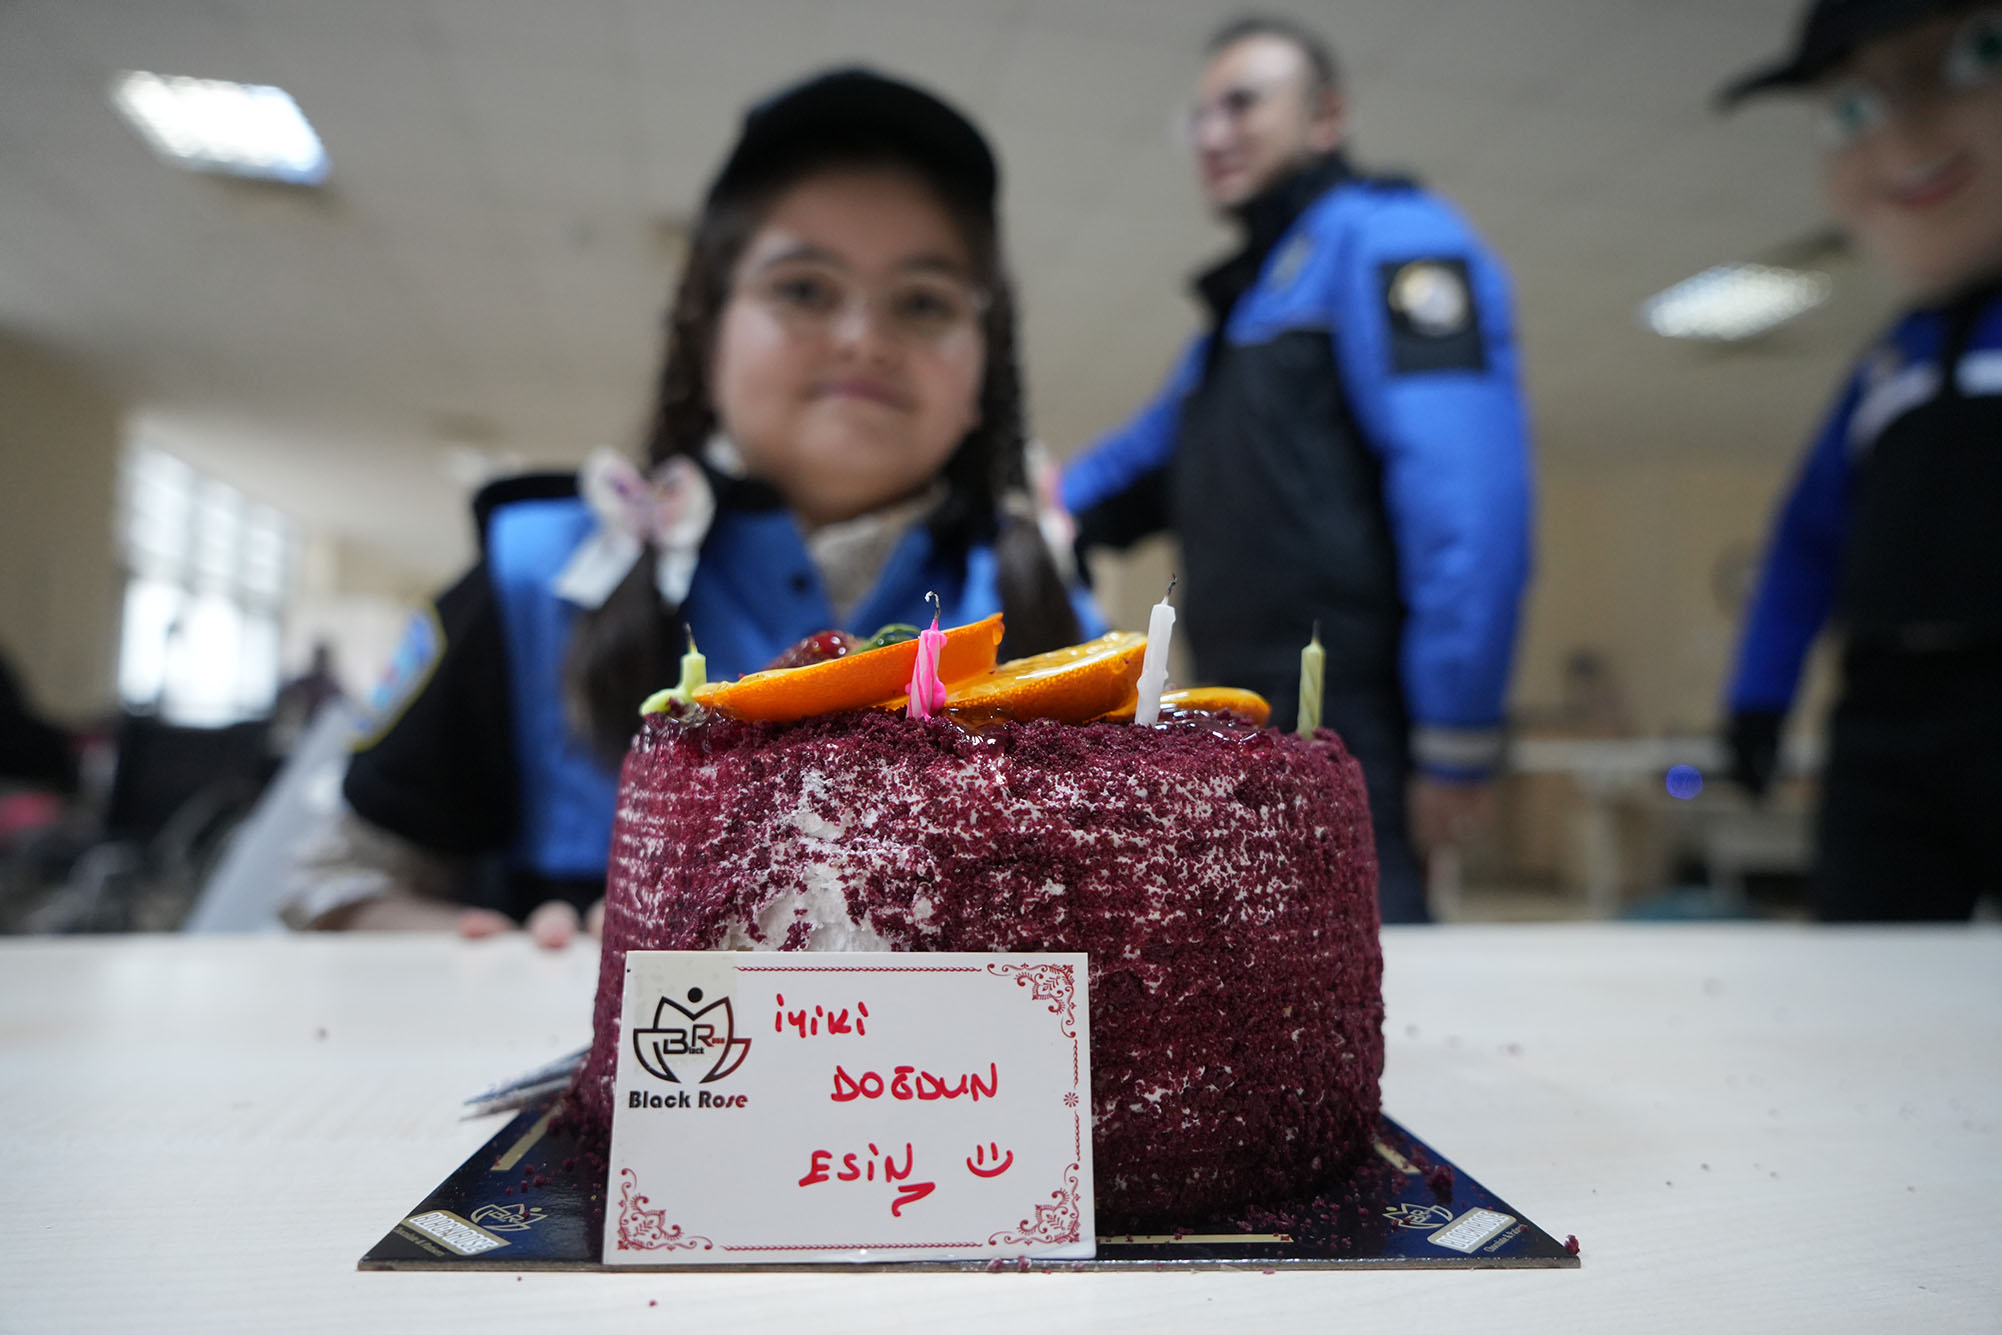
(1915, 174)
(849, 358)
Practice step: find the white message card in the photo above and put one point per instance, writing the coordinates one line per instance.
(790, 1107)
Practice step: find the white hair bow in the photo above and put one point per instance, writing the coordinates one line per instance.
(671, 509)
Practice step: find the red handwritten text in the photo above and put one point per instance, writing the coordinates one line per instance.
(908, 1082)
(862, 1168)
(810, 1024)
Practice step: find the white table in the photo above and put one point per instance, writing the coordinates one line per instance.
(1748, 1128)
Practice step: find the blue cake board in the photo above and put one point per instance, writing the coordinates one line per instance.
(530, 1200)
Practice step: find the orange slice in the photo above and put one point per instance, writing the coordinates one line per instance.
(1072, 685)
(1247, 705)
(856, 681)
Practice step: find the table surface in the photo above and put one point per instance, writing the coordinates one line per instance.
(1756, 1127)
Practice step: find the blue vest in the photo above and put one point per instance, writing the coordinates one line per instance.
(756, 592)
(1889, 524)
(564, 821)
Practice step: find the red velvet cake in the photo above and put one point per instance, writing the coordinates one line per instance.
(1220, 876)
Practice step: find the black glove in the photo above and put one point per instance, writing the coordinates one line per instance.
(1754, 739)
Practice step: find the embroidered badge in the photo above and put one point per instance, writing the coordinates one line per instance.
(1290, 262)
(1433, 297)
(410, 667)
(1883, 364)
(1434, 319)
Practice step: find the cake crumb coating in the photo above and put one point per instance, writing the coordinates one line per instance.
(1221, 878)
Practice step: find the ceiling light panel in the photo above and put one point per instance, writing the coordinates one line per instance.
(1733, 301)
(252, 130)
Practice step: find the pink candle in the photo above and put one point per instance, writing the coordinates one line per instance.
(927, 692)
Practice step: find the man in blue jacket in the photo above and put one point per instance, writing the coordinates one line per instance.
(1346, 445)
(1890, 531)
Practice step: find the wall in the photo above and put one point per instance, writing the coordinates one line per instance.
(1648, 560)
(59, 583)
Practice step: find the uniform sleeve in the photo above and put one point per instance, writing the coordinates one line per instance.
(435, 762)
(1425, 333)
(1117, 489)
(1796, 588)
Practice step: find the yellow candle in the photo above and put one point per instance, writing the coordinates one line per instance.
(694, 673)
(1313, 662)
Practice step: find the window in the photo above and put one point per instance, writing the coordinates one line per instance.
(206, 573)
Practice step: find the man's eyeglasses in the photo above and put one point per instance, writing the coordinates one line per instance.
(810, 297)
(1857, 108)
(1230, 106)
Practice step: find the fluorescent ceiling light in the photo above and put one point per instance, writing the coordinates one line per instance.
(1733, 301)
(210, 125)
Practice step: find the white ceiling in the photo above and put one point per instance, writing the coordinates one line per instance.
(487, 269)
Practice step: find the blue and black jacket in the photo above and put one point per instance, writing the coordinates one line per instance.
(1890, 530)
(1349, 446)
(470, 753)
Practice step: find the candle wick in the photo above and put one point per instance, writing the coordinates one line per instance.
(1173, 578)
(1317, 630)
(691, 638)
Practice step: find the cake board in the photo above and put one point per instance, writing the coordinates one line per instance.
(530, 1199)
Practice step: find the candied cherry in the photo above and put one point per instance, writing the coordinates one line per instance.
(820, 648)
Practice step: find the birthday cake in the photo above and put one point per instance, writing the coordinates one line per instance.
(1220, 876)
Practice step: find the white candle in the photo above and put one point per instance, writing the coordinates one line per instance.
(1154, 665)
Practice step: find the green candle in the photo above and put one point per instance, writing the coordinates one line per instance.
(1313, 660)
(694, 673)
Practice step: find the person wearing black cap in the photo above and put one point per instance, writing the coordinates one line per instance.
(838, 432)
(1890, 530)
(1347, 446)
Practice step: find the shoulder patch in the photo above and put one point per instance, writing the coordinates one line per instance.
(410, 668)
(1881, 365)
(1291, 260)
(1434, 322)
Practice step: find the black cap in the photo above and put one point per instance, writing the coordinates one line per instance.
(857, 110)
(1829, 31)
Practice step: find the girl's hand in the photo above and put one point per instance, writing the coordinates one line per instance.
(477, 923)
(411, 913)
(555, 923)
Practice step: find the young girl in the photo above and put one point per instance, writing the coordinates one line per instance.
(838, 432)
